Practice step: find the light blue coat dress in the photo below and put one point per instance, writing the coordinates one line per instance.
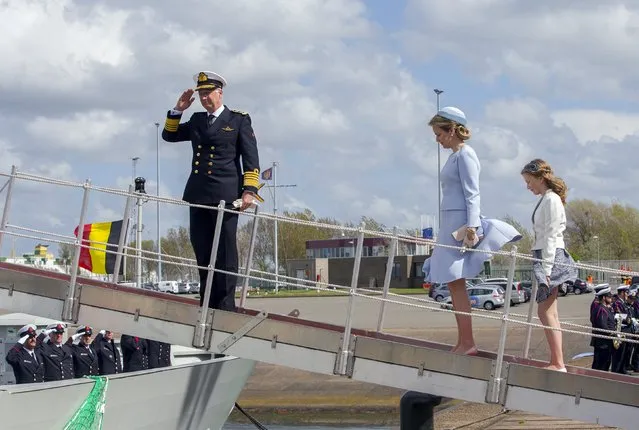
(461, 206)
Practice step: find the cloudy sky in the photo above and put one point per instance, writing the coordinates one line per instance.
(339, 92)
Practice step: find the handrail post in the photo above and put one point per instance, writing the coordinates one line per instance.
(249, 261)
(533, 295)
(344, 355)
(70, 307)
(200, 328)
(495, 385)
(7, 203)
(122, 239)
(387, 278)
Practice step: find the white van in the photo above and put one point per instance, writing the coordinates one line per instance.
(168, 287)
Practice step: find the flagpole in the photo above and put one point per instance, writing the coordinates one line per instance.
(277, 262)
(139, 188)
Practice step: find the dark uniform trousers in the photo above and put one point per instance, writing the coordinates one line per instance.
(621, 356)
(203, 223)
(26, 368)
(134, 353)
(108, 355)
(85, 361)
(603, 319)
(221, 151)
(58, 361)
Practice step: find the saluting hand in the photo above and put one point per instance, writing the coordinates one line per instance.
(185, 100)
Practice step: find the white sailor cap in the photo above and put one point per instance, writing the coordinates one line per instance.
(603, 291)
(29, 329)
(207, 80)
(454, 114)
(57, 327)
(621, 288)
(84, 330)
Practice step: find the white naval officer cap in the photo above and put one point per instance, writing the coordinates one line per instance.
(603, 290)
(207, 80)
(454, 114)
(29, 329)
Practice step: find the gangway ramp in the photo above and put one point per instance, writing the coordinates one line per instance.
(370, 356)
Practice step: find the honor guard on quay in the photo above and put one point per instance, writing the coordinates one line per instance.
(25, 359)
(85, 360)
(109, 361)
(225, 166)
(58, 357)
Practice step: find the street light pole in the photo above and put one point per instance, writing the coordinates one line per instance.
(439, 168)
(598, 259)
(157, 168)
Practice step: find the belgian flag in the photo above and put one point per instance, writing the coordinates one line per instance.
(100, 236)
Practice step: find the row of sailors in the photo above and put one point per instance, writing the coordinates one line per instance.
(619, 312)
(44, 357)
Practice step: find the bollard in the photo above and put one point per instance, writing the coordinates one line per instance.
(416, 411)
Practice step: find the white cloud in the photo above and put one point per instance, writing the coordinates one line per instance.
(84, 132)
(58, 46)
(572, 49)
(591, 125)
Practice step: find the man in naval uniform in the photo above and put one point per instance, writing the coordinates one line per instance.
(225, 166)
(25, 359)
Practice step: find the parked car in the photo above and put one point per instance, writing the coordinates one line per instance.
(526, 286)
(516, 297)
(486, 296)
(438, 292)
(578, 287)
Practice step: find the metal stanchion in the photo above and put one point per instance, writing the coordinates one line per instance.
(533, 295)
(495, 383)
(122, 239)
(249, 261)
(200, 328)
(341, 363)
(7, 203)
(69, 310)
(387, 278)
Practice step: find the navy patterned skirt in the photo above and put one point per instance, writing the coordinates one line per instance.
(563, 270)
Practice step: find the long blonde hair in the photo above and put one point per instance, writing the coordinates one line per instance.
(447, 125)
(539, 168)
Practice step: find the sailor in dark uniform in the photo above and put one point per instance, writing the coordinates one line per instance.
(58, 358)
(85, 359)
(604, 319)
(225, 166)
(134, 353)
(108, 355)
(633, 348)
(25, 359)
(159, 354)
(43, 337)
(620, 356)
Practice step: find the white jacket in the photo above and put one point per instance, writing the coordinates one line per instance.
(549, 223)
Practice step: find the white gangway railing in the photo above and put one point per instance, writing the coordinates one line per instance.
(247, 273)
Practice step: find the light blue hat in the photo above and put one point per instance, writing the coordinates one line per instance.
(453, 114)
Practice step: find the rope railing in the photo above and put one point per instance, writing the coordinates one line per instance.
(388, 297)
(372, 294)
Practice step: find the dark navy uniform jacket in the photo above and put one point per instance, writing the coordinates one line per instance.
(25, 368)
(108, 355)
(225, 159)
(58, 361)
(604, 319)
(159, 354)
(85, 361)
(134, 353)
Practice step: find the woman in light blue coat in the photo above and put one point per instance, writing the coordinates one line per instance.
(460, 209)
